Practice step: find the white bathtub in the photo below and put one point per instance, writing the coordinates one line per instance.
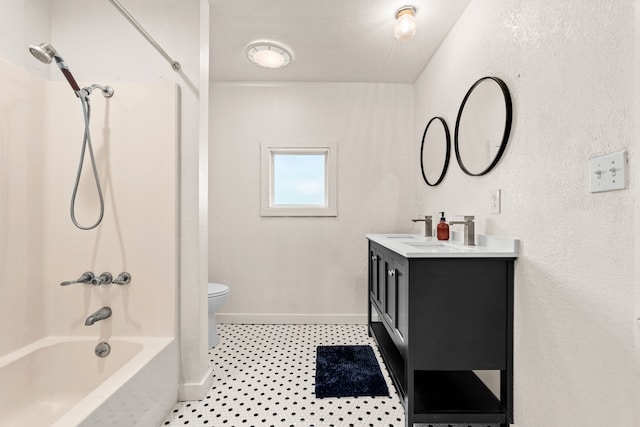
(60, 382)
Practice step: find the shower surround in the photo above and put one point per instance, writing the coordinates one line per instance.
(135, 136)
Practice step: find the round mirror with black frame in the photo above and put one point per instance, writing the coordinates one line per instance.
(435, 151)
(483, 126)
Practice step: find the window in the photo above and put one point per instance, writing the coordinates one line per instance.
(298, 180)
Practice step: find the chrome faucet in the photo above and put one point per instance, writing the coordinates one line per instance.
(86, 278)
(103, 279)
(101, 314)
(469, 230)
(123, 278)
(428, 225)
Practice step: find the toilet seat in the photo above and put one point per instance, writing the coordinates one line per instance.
(217, 290)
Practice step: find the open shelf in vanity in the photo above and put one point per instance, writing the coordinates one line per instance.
(438, 316)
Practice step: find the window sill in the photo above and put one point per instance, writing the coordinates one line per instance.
(309, 212)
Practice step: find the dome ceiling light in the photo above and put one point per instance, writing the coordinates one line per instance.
(405, 26)
(268, 54)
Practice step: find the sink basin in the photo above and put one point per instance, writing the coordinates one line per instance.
(424, 244)
(434, 247)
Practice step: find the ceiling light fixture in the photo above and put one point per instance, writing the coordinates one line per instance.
(405, 26)
(268, 54)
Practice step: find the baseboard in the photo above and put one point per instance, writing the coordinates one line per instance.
(292, 319)
(196, 391)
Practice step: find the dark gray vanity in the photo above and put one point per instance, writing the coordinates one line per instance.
(440, 311)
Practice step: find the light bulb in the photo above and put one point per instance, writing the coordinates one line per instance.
(405, 26)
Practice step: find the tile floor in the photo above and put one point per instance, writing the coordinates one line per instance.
(264, 376)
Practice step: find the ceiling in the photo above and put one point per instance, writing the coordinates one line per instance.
(330, 40)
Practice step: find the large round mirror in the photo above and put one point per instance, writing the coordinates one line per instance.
(435, 151)
(483, 126)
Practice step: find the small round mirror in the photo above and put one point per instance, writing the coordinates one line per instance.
(483, 126)
(435, 151)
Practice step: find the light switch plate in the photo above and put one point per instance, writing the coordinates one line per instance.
(495, 202)
(608, 172)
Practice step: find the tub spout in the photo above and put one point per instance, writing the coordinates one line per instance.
(101, 314)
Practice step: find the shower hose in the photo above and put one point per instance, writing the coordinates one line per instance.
(86, 142)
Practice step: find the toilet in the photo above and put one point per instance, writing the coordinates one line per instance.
(217, 296)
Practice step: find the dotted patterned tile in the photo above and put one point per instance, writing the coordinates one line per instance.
(264, 377)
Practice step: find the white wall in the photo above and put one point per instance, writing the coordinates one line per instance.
(21, 116)
(23, 23)
(635, 172)
(138, 169)
(41, 140)
(305, 269)
(569, 67)
(22, 317)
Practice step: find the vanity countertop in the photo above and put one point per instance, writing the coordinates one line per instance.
(418, 246)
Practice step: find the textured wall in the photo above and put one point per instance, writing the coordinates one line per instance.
(305, 269)
(569, 66)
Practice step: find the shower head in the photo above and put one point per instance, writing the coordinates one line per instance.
(44, 52)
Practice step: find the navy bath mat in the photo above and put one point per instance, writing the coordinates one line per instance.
(348, 370)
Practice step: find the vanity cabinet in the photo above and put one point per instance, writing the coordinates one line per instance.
(436, 322)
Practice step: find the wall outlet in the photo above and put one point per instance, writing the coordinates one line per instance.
(495, 202)
(608, 173)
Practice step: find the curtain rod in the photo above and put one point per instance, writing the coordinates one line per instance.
(174, 64)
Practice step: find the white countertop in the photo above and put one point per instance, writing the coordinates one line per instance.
(418, 246)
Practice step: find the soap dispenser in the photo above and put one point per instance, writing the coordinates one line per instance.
(442, 230)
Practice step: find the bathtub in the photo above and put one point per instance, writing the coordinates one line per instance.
(60, 382)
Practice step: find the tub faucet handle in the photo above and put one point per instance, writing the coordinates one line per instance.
(87, 277)
(122, 279)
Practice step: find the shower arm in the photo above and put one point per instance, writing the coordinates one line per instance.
(107, 91)
(174, 64)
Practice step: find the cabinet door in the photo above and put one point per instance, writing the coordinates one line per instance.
(402, 303)
(376, 275)
(396, 300)
(390, 285)
(373, 273)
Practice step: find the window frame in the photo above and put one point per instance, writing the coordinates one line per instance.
(267, 151)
